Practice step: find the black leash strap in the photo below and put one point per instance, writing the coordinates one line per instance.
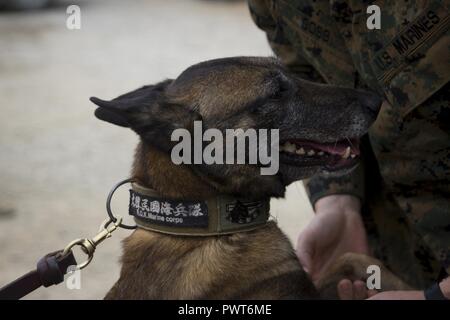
(50, 270)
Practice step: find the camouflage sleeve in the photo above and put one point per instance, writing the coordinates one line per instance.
(262, 15)
(317, 187)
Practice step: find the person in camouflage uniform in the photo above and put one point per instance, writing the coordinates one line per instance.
(403, 181)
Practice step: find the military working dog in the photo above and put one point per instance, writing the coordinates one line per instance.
(319, 126)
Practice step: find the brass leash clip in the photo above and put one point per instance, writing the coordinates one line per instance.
(88, 246)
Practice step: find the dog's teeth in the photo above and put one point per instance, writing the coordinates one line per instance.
(347, 153)
(311, 153)
(300, 151)
(353, 156)
(290, 147)
(321, 153)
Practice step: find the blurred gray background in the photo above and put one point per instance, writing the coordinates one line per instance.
(57, 162)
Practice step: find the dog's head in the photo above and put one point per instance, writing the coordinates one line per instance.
(319, 125)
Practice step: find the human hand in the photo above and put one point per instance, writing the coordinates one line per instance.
(336, 228)
(357, 290)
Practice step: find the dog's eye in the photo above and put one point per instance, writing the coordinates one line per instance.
(281, 89)
(277, 95)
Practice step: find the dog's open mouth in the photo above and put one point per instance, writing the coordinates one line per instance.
(332, 156)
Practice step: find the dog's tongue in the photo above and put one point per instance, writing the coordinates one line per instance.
(338, 148)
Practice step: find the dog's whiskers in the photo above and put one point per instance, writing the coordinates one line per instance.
(335, 144)
(350, 142)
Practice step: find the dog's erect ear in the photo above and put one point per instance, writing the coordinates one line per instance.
(148, 113)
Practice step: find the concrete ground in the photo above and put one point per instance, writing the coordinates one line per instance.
(57, 162)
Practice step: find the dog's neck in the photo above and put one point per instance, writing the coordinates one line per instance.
(154, 169)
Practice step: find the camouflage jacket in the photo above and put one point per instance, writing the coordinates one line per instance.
(408, 62)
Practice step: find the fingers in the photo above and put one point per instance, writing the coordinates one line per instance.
(305, 260)
(359, 290)
(305, 252)
(371, 293)
(345, 289)
(399, 295)
(348, 290)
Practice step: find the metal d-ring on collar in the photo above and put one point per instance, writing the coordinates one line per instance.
(108, 204)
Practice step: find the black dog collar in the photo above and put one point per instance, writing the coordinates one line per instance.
(219, 215)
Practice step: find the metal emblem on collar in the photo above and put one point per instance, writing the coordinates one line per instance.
(243, 212)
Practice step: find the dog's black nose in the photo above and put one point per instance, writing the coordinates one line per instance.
(370, 101)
